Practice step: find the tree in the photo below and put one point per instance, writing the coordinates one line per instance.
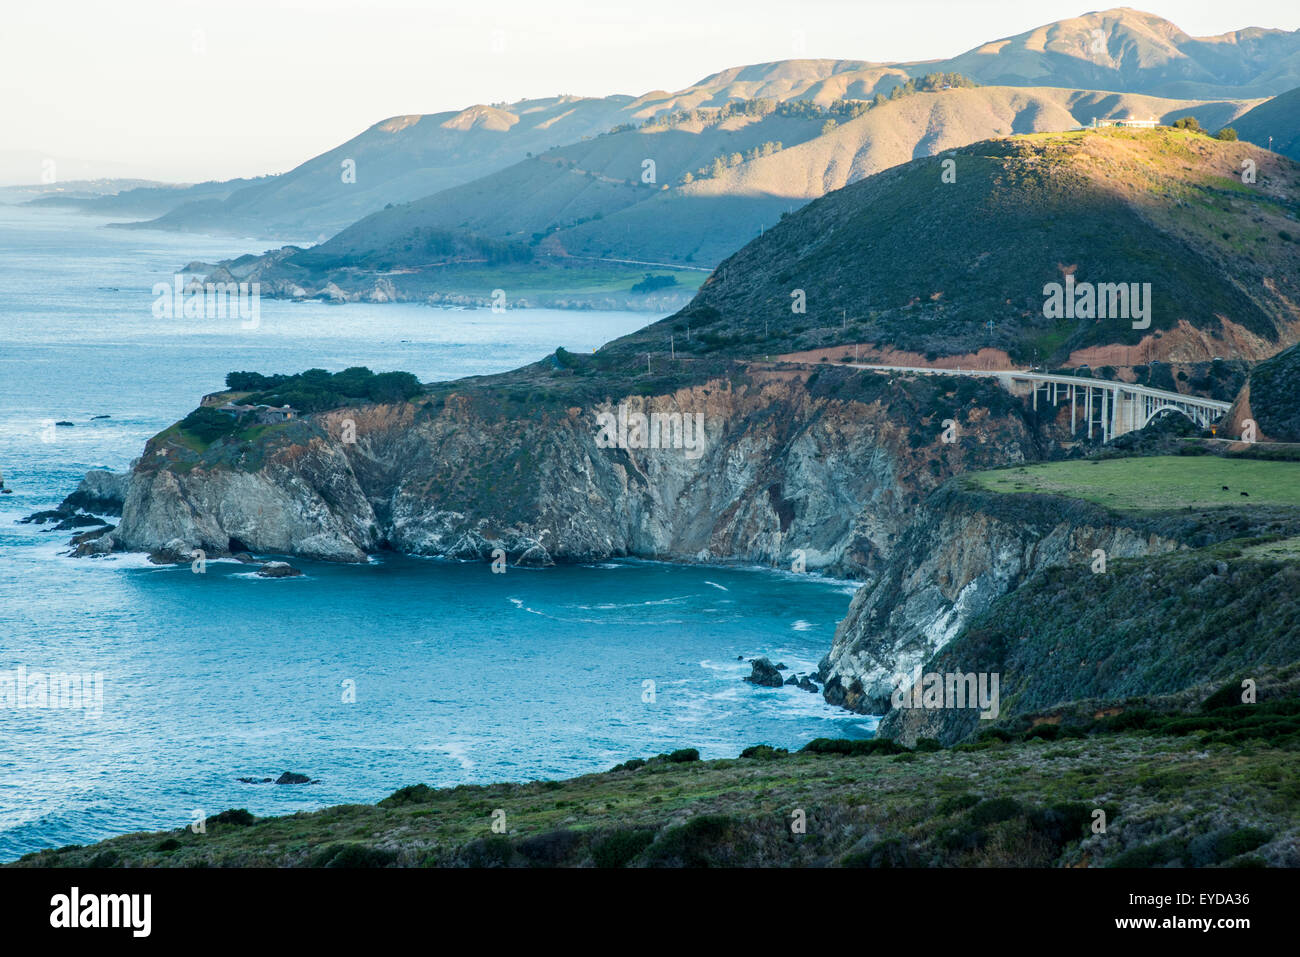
(1227, 133)
(1188, 123)
(207, 424)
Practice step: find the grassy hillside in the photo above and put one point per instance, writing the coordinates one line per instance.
(1275, 395)
(1155, 483)
(1278, 118)
(1028, 803)
(909, 260)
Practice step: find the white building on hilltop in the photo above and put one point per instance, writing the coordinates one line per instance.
(1128, 122)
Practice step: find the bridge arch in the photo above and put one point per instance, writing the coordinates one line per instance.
(1173, 409)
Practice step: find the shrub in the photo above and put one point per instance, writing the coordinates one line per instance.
(1153, 854)
(993, 810)
(631, 765)
(854, 747)
(1240, 841)
(495, 851)
(239, 817)
(1061, 823)
(353, 856)
(703, 841)
(551, 849)
(763, 752)
(684, 755)
(620, 848)
(207, 424)
(957, 802)
(651, 283)
(411, 794)
(890, 852)
(1226, 697)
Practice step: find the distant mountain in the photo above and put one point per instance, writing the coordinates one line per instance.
(405, 158)
(36, 168)
(1278, 118)
(136, 197)
(906, 260)
(1136, 52)
(721, 176)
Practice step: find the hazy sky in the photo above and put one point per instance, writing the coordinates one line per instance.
(196, 89)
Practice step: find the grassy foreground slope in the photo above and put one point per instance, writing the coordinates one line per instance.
(1023, 803)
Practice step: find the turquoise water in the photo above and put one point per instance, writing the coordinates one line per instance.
(459, 675)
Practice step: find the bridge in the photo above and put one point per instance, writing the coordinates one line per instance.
(1110, 409)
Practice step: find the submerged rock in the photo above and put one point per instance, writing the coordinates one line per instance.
(175, 552)
(765, 674)
(80, 520)
(94, 544)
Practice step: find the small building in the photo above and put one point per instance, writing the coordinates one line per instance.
(1129, 122)
(269, 414)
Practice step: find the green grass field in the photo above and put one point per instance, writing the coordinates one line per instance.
(1159, 482)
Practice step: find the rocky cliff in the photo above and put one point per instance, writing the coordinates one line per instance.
(969, 558)
(820, 466)
(963, 552)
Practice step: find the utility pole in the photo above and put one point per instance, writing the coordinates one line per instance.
(672, 349)
(647, 363)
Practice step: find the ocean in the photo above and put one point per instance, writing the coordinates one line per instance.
(364, 678)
